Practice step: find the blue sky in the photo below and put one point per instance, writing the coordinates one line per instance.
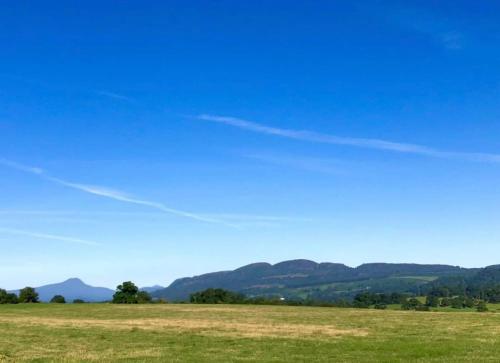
(148, 141)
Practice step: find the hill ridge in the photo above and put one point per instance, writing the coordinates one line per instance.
(291, 278)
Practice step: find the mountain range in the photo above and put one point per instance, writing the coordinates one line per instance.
(300, 279)
(304, 279)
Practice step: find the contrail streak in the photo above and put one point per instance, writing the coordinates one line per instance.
(111, 194)
(48, 236)
(377, 144)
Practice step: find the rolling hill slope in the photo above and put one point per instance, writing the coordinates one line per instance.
(302, 279)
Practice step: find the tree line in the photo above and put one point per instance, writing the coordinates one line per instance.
(438, 296)
(26, 295)
(126, 293)
(361, 300)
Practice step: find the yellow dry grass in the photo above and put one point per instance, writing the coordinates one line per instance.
(200, 326)
(223, 333)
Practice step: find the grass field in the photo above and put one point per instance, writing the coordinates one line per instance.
(221, 333)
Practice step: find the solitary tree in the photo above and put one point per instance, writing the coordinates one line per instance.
(58, 299)
(128, 293)
(28, 295)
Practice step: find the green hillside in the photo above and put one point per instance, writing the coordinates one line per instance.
(304, 279)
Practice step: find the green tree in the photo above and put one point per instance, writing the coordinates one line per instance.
(482, 307)
(216, 296)
(432, 301)
(7, 298)
(128, 293)
(143, 297)
(457, 302)
(469, 302)
(445, 302)
(411, 304)
(78, 301)
(58, 299)
(28, 295)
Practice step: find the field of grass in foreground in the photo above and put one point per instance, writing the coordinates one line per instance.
(222, 333)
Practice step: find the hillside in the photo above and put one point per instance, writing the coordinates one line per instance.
(307, 279)
(73, 289)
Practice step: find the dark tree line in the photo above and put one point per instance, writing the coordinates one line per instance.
(26, 295)
(361, 300)
(379, 301)
(126, 293)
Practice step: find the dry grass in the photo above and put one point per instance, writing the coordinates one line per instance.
(199, 326)
(221, 333)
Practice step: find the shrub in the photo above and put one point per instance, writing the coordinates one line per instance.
(445, 302)
(58, 299)
(457, 302)
(432, 301)
(411, 304)
(469, 302)
(78, 301)
(482, 307)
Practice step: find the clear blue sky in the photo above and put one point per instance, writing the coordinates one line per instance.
(148, 141)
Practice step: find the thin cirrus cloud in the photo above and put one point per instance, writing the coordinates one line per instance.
(48, 236)
(375, 144)
(234, 219)
(110, 193)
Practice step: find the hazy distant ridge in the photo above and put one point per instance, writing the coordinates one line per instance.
(74, 288)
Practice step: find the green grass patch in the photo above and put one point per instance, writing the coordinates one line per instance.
(233, 333)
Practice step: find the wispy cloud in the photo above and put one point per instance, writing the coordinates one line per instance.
(20, 167)
(233, 219)
(116, 96)
(110, 193)
(376, 144)
(48, 236)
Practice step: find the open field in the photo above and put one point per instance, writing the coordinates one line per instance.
(216, 333)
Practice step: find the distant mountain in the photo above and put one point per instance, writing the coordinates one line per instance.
(73, 289)
(303, 279)
(151, 289)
